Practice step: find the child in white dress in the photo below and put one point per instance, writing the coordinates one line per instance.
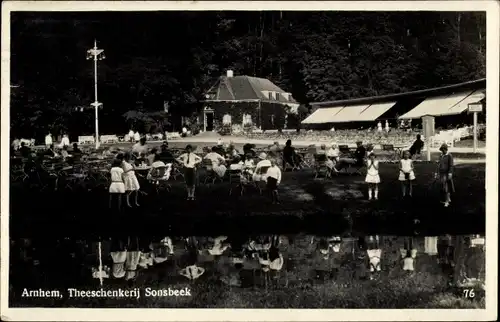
(372, 176)
(117, 187)
(130, 179)
(406, 173)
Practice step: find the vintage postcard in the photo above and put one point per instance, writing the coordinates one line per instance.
(250, 161)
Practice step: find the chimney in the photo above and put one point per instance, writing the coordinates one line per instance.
(229, 73)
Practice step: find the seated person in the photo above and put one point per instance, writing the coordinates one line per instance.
(417, 146)
(152, 155)
(76, 154)
(261, 168)
(360, 154)
(322, 156)
(51, 152)
(217, 162)
(25, 150)
(140, 148)
(64, 152)
(333, 152)
(165, 153)
(249, 149)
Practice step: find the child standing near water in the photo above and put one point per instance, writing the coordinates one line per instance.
(406, 173)
(117, 187)
(372, 176)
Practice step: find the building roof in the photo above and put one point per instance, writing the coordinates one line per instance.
(246, 88)
(472, 85)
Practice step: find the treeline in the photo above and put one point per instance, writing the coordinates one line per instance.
(174, 57)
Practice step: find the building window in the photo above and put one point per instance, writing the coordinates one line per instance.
(277, 96)
(226, 119)
(271, 95)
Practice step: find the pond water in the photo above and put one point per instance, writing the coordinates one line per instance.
(270, 263)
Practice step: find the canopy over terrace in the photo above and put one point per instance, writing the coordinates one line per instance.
(355, 113)
(444, 105)
(447, 100)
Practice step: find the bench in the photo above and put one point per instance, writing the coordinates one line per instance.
(109, 139)
(86, 139)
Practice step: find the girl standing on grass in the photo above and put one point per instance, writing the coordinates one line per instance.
(372, 176)
(117, 187)
(444, 173)
(406, 173)
(130, 179)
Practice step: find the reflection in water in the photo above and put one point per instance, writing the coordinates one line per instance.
(267, 261)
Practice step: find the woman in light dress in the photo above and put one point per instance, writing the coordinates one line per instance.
(117, 186)
(217, 162)
(406, 173)
(130, 180)
(372, 176)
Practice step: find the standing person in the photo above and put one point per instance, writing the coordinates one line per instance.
(290, 156)
(372, 176)
(379, 126)
(130, 179)
(117, 186)
(131, 135)
(406, 173)
(189, 160)
(64, 141)
(48, 140)
(137, 136)
(444, 173)
(273, 180)
(360, 154)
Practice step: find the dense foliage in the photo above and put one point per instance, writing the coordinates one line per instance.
(159, 57)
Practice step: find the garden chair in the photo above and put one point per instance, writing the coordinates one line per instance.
(320, 166)
(390, 152)
(344, 150)
(159, 178)
(237, 180)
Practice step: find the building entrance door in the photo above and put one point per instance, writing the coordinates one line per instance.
(209, 121)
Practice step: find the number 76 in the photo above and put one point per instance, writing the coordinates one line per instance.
(469, 293)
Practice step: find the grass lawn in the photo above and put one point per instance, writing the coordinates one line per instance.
(297, 285)
(336, 204)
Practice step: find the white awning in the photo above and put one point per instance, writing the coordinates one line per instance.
(350, 113)
(374, 111)
(322, 115)
(435, 106)
(463, 105)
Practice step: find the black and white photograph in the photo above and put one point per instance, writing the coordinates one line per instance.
(246, 156)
